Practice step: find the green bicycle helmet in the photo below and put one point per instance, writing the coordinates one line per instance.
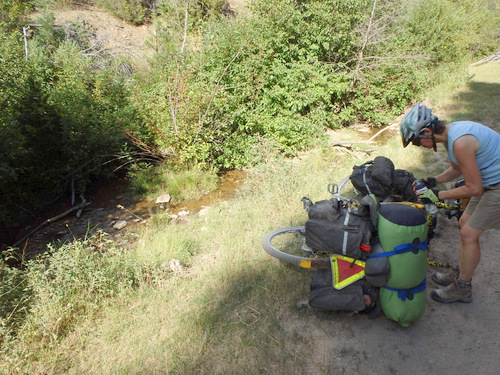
(418, 118)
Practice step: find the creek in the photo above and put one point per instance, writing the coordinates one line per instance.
(111, 203)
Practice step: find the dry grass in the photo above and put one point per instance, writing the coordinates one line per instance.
(233, 309)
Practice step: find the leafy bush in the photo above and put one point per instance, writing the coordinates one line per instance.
(292, 69)
(12, 12)
(65, 114)
(132, 11)
(450, 31)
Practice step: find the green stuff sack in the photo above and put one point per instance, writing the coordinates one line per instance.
(402, 232)
(403, 306)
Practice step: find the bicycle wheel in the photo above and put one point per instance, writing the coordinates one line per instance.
(343, 183)
(289, 245)
(347, 189)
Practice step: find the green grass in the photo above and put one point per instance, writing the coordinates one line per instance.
(150, 181)
(478, 99)
(232, 298)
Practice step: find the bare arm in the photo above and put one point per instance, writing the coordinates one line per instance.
(450, 174)
(465, 149)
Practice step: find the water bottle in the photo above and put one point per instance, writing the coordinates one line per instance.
(420, 187)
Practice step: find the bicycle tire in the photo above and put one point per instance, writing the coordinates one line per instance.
(292, 249)
(347, 189)
(343, 183)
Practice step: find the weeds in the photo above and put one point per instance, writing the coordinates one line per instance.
(15, 297)
(64, 288)
(151, 181)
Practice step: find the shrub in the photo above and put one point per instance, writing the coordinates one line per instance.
(12, 13)
(72, 283)
(132, 11)
(65, 114)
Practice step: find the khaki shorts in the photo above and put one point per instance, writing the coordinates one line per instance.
(485, 210)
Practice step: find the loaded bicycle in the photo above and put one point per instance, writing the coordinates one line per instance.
(289, 245)
(368, 254)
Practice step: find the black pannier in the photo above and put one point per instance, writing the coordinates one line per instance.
(332, 228)
(355, 297)
(325, 210)
(380, 178)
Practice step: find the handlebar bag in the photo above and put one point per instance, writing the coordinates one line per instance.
(374, 177)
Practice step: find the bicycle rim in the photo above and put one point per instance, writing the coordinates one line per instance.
(289, 245)
(347, 189)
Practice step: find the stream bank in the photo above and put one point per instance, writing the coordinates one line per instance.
(114, 211)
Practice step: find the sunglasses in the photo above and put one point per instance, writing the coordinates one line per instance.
(416, 141)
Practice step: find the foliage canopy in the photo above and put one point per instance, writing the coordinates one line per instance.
(221, 89)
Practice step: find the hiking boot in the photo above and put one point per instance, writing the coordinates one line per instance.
(456, 292)
(445, 278)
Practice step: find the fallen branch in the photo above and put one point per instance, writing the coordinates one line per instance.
(348, 144)
(383, 130)
(494, 57)
(51, 220)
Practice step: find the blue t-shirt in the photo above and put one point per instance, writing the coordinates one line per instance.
(488, 153)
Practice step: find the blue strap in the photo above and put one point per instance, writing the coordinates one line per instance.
(403, 248)
(403, 294)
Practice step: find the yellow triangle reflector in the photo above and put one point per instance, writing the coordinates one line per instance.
(346, 271)
(305, 263)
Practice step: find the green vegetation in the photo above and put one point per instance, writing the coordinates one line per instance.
(283, 75)
(476, 100)
(65, 114)
(219, 93)
(132, 11)
(92, 308)
(150, 181)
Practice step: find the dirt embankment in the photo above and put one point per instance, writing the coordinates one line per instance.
(109, 33)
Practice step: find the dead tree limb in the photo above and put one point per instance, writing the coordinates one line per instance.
(383, 130)
(348, 144)
(25, 37)
(216, 88)
(494, 57)
(366, 39)
(51, 220)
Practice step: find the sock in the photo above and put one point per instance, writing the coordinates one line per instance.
(468, 283)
